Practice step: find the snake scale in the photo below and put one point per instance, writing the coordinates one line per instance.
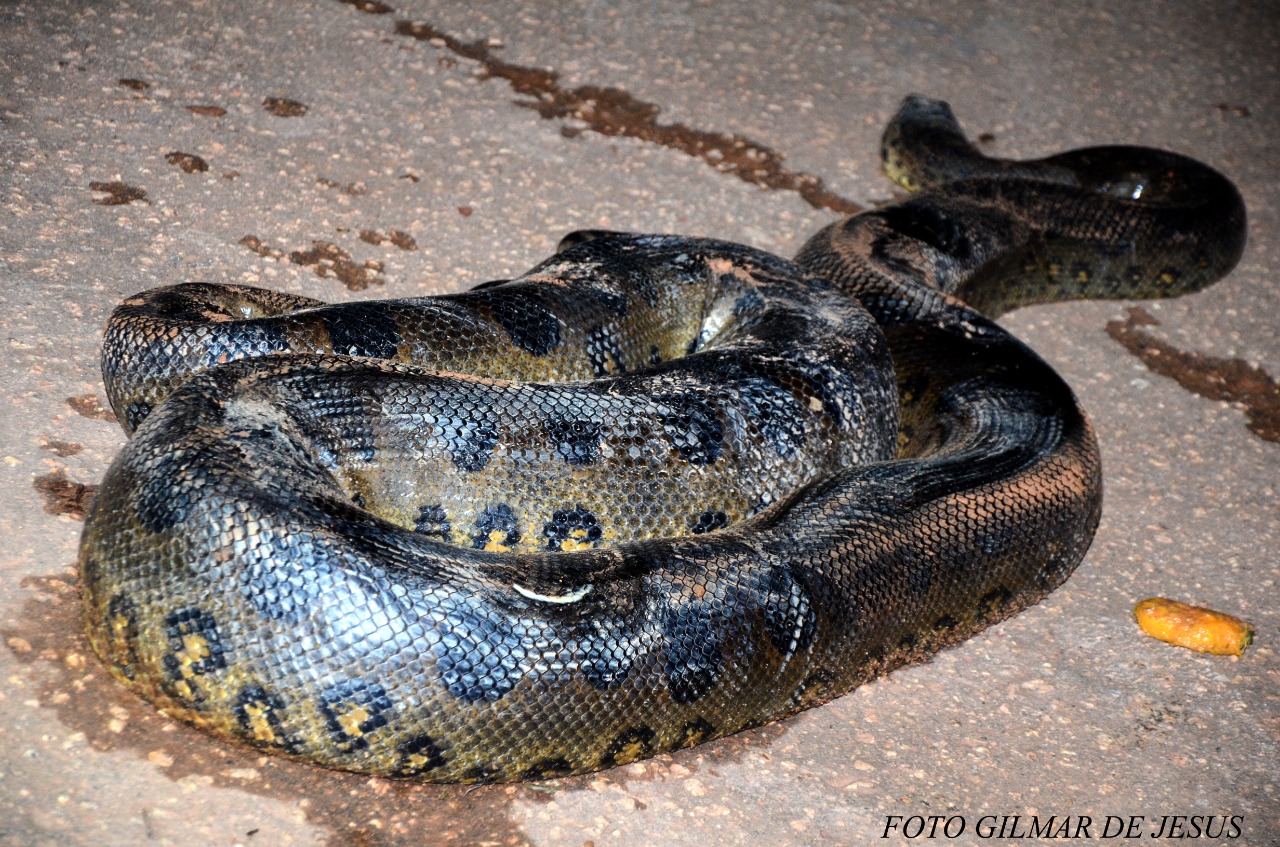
(652, 492)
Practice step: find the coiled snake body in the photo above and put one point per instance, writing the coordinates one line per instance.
(654, 491)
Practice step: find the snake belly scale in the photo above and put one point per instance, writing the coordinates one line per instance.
(652, 492)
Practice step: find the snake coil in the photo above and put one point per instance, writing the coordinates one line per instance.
(652, 492)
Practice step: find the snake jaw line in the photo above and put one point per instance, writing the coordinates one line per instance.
(560, 599)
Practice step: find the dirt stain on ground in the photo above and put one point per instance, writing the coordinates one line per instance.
(351, 189)
(206, 110)
(611, 111)
(328, 259)
(260, 247)
(399, 238)
(89, 406)
(1237, 109)
(1232, 380)
(117, 193)
(372, 8)
(283, 107)
(64, 496)
(189, 162)
(59, 447)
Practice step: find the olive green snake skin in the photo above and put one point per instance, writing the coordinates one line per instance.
(653, 492)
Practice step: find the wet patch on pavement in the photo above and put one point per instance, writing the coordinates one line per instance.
(89, 406)
(63, 496)
(59, 447)
(1215, 378)
(612, 111)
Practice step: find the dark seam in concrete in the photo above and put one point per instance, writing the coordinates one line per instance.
(1233, 380)
(612, 111)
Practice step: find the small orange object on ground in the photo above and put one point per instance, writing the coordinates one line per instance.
(1193, 627)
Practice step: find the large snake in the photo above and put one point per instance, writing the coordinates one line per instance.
(652, 492)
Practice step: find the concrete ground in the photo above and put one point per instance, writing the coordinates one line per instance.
(348, 150)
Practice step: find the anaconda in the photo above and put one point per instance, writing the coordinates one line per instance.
(654, 491)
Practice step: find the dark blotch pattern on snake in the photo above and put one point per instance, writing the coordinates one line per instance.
(652, 492)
